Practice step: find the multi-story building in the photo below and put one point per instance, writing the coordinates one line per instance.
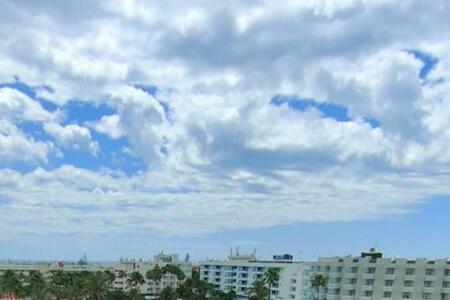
(121, 269)
(240, 271)
(371, 276)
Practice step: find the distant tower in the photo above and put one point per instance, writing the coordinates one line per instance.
(187, 259)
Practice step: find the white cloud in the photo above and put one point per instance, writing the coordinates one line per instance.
(108, 125)
(72, 136)
(215, 146)
(17, 106)
(15, 146)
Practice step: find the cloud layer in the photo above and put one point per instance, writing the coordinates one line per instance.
(178, 132)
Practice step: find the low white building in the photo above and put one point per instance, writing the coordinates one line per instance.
(240, 271)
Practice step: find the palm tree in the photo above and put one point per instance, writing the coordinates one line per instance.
(175, 270)
(155, 275)
(110, 277)
(135, 280)
(258, 290)
(11, 284)
(194, 288)
(61, 284)
(96, 286)
(36, 288)
(319, 281)
(271, 276)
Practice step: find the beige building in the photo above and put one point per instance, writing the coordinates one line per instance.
(371, 277)
(121, 269)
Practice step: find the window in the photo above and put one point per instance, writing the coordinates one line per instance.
(368, 293)
(390, 271)
(408, 283)
(370, 270)
(428, 284)
(351, 292)
(429, 272)
(446, 284)
(409, 272)
(427, 296)
(369, 281)
(388, 282)
(406, 295)
(387, 295)
(354, 270)
(447, 272)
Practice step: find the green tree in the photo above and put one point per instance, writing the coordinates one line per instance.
(135, 280)
(271, 276)
(175, 270)
(66, 285)
(110, 278)
(12, 285)
(36, 286)
(116, 294)
(134, 294)
(96, 286)
(258, 290)
(194, 288)
(168, 293)
(317, 282)
(220, 295)
(155, 275)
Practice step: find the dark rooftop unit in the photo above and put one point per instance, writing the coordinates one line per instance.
(284, 257)
(373, 254)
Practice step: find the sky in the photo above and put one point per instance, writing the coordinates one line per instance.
(314, 128)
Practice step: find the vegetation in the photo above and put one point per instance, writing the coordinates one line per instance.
(63, 285)
(271, 277)
(318, 282)
(258, 291)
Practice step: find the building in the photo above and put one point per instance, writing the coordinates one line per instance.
(121, 269)
(240, 271)
(371, 276)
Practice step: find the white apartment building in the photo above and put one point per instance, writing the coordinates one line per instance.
(121, 269)
(240, 271)
(372, 277)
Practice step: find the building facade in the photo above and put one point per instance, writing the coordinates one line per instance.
(121, 269)
(240, 271)
(371, 276)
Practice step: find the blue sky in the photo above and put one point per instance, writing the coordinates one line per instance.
(314, 128)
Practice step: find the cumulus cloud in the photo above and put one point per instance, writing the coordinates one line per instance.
(17, 106)
(15, 146)
(72, 136)
(215, 144)
(108, 125)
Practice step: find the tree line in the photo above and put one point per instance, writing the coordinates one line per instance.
(86, 285)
